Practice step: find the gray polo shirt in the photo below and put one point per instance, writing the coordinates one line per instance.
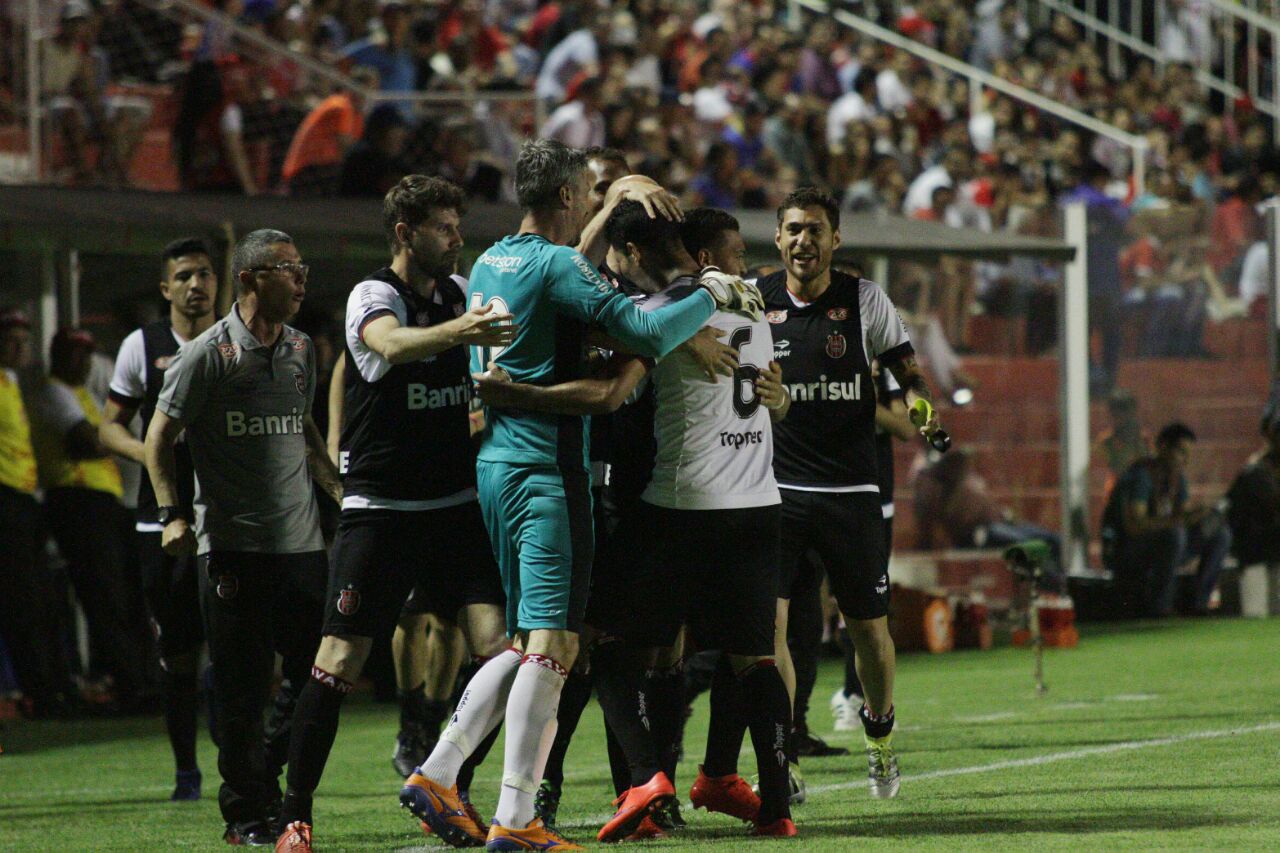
(243, 406)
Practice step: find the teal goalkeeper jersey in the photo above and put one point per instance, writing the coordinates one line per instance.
(555, 295)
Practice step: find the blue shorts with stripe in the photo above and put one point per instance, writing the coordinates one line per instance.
(540, 524)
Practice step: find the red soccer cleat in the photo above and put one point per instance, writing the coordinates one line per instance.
(729, 795)
(646, 831)
(296, 838)
(783, 827)
(634, 806)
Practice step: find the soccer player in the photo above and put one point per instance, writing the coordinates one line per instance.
(712, 493)
(409, 511)
(242, 392)
(534, 481)
(827, 328)
(190, 286)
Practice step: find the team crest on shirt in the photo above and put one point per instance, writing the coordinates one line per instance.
(228, 586)
(348, 601)
(300, 382)
(228, 350)
(776, 317)
(838, 314)
(163, 362)
(836, 346)
(298, 344)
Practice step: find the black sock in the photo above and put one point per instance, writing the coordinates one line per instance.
(665, 689)
(620, 689)
(767, 709)
(181, 699)
(467, 771)
(876, 726)
(727, 725)
(619, 769)
(315, 725)
(573, 700)
(413, 709)
(436, 711)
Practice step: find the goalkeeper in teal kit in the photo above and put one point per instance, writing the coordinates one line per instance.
(535, 490)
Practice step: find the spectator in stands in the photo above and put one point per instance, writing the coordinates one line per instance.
(209, 135)
(952, 170)
(389, 52)
(579, 53)
(718, 184)
(578, 122)
(1002, 33)
(1254, 513)
(1106, 223)
(313, 165)
(787, 138)
(1150, 528)
(881, 191)
(459, 161)
(1126, 441)
(1252, 286)
(25, 603)
(376, 163)
(1236, 224)
(73, 76)
(485, 42)
(954, 507)
(82, 506)
(858, 105)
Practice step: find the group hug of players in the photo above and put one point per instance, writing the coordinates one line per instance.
(722, 481)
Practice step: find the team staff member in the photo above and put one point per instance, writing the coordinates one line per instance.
(24, 605)
(83, 488)
(407, 404)
(190, 286)
(827, 328)
(242, 391)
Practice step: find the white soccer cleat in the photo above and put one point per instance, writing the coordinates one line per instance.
(844, 710)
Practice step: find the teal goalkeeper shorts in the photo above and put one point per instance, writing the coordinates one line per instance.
(540, 524)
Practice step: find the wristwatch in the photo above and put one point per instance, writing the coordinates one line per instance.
(166, 514)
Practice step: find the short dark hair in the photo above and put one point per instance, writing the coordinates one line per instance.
(803, 197)
(412, 200)
(605, 154)
(631, 223)
(1174, 433)
(543, 167)
(704, 228)
(180, 248)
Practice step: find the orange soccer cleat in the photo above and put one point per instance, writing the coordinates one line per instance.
(729, 795)
(783, 827)
(634, 806)
(646, 831)
(442, 810)
(536, 836)
(296, 838)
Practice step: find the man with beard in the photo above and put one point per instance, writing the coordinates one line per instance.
(410, 519)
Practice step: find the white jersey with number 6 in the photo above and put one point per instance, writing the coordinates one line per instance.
(715, 439)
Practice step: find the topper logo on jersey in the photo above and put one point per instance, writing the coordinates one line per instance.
(739, 440)
(823, 390)
(782, 348)
(421, 397)
(239, 424)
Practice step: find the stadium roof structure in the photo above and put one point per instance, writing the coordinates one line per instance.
(33, 218)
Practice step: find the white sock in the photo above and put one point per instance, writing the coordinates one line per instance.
(531, 728)
(478, 713)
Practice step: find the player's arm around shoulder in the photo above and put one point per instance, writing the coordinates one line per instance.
(482, 326)
(601, 394)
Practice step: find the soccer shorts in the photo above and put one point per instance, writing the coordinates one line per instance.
(716, 570)
(379, 555)
(540, 523)
(846, 531)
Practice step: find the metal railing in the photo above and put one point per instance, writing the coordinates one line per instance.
(1259, 20)
(979, 79)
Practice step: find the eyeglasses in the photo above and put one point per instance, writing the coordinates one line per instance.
(288, 267)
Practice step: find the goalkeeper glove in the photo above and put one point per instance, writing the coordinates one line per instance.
(732, 293)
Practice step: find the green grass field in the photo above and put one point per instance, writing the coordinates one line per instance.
(1151, 736)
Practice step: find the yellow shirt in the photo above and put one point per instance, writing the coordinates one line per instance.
(57, 469)
(17, 459)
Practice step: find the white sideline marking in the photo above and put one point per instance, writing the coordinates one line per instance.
(1133, 697)
(1033, 761)
(988, 718)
